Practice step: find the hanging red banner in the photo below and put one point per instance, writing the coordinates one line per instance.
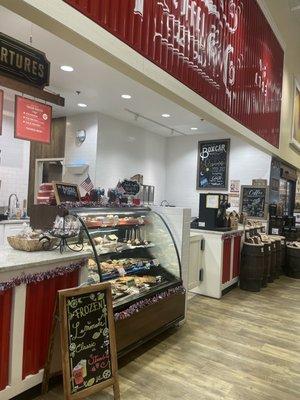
(32, 120)
(1, 109)
(225, 51)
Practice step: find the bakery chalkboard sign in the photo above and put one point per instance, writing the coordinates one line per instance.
(88, 341)
(253, 201)
(130, 187)
(212, 171)
(66, 192)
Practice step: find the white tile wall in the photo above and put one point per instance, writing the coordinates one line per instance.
(14, 163)
(246, 163)
(84, 153)
(125, 150)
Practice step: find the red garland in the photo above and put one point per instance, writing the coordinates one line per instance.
(41, 276)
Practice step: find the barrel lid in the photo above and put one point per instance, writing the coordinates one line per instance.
(253, 244)
(276, 237)
(290, 246)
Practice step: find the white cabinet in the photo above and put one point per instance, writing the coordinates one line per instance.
(219, 262)
(195, 261)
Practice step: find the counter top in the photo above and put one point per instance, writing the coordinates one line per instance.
(219, 233)
(14, 221)
(14, 260)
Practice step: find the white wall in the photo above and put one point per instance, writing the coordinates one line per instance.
(115, 150)
(245, 163)
(14, 163)
(84, 153)
(125, 150)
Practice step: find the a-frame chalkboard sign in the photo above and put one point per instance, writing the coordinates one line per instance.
(88, 342)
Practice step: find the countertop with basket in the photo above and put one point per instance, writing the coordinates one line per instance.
(13, 260)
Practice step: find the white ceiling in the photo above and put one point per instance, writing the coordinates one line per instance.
(100, 85)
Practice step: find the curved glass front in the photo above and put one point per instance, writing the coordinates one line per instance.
(135, 251)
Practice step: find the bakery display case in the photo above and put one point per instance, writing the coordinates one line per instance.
(134, 250)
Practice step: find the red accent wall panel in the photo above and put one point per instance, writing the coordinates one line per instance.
(226, 260)
(236, 256)
(225, 51)
(40, 301)
(5, 326)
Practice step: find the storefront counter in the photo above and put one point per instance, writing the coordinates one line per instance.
(28, 286)
(214, 265)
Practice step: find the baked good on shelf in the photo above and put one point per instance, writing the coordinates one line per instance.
(91, 264)
(146, 279)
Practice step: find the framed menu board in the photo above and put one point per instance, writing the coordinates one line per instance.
(253, 201)
(88, 343)
(213, 158)
(66, 192)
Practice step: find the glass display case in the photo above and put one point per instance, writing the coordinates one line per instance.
(133, 249)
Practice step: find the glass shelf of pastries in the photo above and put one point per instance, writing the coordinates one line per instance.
(133, 249)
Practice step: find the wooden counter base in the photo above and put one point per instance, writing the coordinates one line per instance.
(148, 322)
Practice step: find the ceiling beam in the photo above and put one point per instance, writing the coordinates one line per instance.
(32, 91)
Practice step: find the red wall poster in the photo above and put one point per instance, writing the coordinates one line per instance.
(224, 50)
(32, 120)
(1, 109)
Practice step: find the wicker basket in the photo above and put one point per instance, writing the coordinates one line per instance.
(19, 243)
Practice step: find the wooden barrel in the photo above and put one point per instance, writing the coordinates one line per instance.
(281, 267)
(252, 267)
(277, 240)
(293, 261)
(273, 273)
(267, 264)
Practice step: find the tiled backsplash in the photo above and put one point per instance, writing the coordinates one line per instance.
(14, 163)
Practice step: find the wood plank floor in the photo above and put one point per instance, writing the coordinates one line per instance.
(245, 346)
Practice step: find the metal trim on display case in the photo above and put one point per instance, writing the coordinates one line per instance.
(173, 240)
(109, 210)
(92, 244)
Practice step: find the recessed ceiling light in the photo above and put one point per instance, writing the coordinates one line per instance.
(82, 105)
(67, 68)
(166, 115)
(126, 96)
(193, 128)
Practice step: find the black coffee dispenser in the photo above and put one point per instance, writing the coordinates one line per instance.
(212, 212)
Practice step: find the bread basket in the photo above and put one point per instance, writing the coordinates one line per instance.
(24, 244)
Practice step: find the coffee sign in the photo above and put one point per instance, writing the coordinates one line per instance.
(213, 156)
(253, 201)
(88, 341)
(23, 62)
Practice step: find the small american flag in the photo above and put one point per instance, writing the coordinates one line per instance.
(87, 184)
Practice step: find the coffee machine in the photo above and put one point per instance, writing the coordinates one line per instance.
(212, 212)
